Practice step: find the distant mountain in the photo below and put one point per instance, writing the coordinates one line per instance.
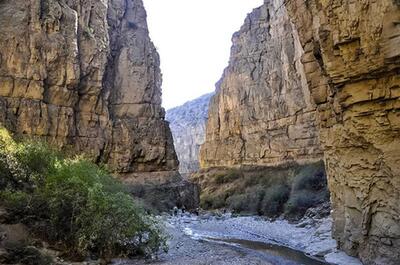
(188, 125)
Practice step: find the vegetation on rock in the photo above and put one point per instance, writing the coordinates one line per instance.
(26, 255)
(269, 191)
(72, 203)
(308, 190)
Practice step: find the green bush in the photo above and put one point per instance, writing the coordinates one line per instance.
(247, 202)
(312, 178)
(6, 174)
(37, 157)
(21, 206)
(22, 165)
(75, 203)
(7, 143)
(309, 189)
(12, 174)
(26, 255)
(205, 201)
(274, 200)
(299, 203)
(238, 203)
(208, 201)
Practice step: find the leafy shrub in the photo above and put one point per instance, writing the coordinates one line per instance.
(205, 201)
(22, 165)
(274, 200)
(248, 202)
(308, 190)
(73, 202)
(7, 143)
(208, 201)
(26, 255)
(238, 203)
(6, 175)
(37, 157)
(299, 203)
(21, 206)
(312, 178)
(12, 175)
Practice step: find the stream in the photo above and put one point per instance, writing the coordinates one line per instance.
(277, 242)
(211, 239)
(274, 254)
(270, 251)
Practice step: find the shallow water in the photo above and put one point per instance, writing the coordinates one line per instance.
(277, 242)
(272, 253)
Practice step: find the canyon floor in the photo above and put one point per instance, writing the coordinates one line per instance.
(223, 239)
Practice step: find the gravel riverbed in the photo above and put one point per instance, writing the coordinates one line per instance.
(223, 239)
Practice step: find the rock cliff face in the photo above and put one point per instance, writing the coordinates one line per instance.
(352, 64)
(85, 74)
(262, 113)
(188, 126)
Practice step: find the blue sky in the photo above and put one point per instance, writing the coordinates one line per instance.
(193, 38)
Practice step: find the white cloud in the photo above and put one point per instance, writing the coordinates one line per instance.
(193, 38)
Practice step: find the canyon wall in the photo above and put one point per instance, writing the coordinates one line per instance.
(303, 70)
(85, 74)
(188, 127)
(262, 113)
(352, 64)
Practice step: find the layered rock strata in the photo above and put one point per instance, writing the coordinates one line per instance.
(352, 65)
(262, 113)
(86, 74)
(188, 127)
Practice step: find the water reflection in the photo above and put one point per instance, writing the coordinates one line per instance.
(272, 253)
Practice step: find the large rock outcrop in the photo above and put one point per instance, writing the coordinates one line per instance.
(188, 127)
(352, 64)
(86, 74)
(262, 113)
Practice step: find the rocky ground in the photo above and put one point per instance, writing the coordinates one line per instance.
(184, 250)
(223, 239)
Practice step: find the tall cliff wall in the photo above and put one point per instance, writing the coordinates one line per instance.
(262, 113)
(352, 63)
(188, 127)
(86, 74)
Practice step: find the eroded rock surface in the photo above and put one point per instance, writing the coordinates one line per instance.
(352, 64)
(262, 113)
(188, 127)
(85, 74)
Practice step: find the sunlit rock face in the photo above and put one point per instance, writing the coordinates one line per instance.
(352, 65)
(188, 126)
(262, 113)
(85, 74)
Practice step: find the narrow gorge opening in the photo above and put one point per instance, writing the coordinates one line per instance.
(251, 145)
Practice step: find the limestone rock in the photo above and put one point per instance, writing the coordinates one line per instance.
(262, 113)
(188, 126)
(352, 64)
(85, 74)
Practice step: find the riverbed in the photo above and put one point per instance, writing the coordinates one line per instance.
(225, 239)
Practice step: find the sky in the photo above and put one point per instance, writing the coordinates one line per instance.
(193, 38)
